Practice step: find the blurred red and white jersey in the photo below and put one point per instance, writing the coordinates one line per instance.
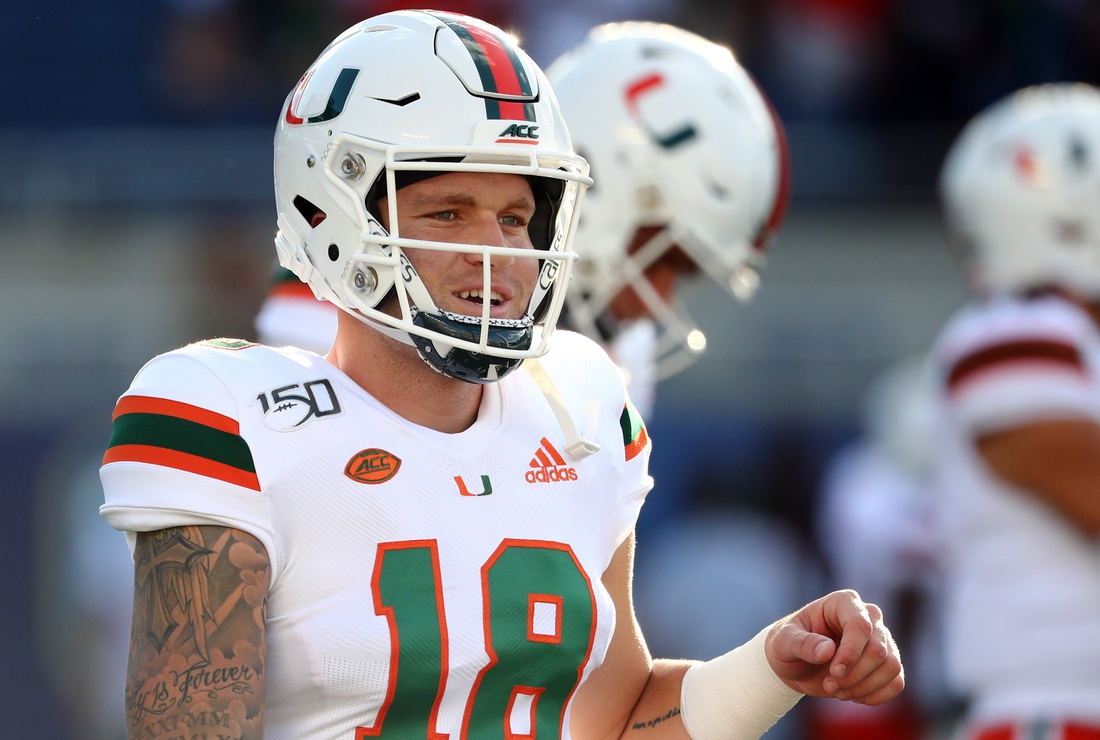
(292, 316)
(1023, 608)
(876, 527)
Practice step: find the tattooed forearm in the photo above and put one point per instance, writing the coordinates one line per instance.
(674, 712)
(197, 646)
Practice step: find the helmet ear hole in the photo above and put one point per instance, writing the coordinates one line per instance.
(311, 213)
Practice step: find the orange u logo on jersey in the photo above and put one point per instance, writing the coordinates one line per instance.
(486, 486)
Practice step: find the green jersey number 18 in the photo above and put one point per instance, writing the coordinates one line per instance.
(539, 613)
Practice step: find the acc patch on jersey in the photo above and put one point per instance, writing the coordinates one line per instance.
(374, 466)
(291, 407)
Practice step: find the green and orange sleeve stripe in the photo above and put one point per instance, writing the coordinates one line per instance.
(634, 435)
(181, 436)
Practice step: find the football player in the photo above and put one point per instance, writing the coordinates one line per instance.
(693, 175)
(411, 537)
(875, 520)
(1019, 466)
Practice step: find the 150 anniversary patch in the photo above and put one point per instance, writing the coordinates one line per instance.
(291, 407)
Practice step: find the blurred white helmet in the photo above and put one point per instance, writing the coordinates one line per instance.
(393, 100)
(899, 414)
(1021, 191)
(681, 139)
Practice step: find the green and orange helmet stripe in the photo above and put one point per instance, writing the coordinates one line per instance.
(635, 437)
(171, 434)
(337, 98)
(499, 66)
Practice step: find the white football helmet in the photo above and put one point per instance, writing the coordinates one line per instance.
(392, 100)
(679, 137)
(1021, 191)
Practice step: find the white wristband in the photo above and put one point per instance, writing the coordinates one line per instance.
(736, 696)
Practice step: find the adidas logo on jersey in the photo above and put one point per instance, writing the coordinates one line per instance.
(548, 466)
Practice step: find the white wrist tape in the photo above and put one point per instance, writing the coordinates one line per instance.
(736, 696)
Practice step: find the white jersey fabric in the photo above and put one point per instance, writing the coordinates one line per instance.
(634, 350)
(1023, 613)
(357, 507)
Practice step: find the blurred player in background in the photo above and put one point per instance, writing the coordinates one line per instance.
(877, 528)
(1019, 457)
(692, 175)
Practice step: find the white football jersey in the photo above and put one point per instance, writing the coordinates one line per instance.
(479, 553)
(1023, 612)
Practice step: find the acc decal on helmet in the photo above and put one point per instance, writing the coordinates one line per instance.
(396, 99)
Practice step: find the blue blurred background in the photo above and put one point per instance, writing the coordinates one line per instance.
(136, 215)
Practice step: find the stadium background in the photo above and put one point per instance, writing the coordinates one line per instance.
(136, 215)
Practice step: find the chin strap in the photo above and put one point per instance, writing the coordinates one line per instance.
(576, 446)
(292, 253)
(393, 333)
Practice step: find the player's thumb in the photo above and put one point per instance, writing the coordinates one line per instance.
(795, 643)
